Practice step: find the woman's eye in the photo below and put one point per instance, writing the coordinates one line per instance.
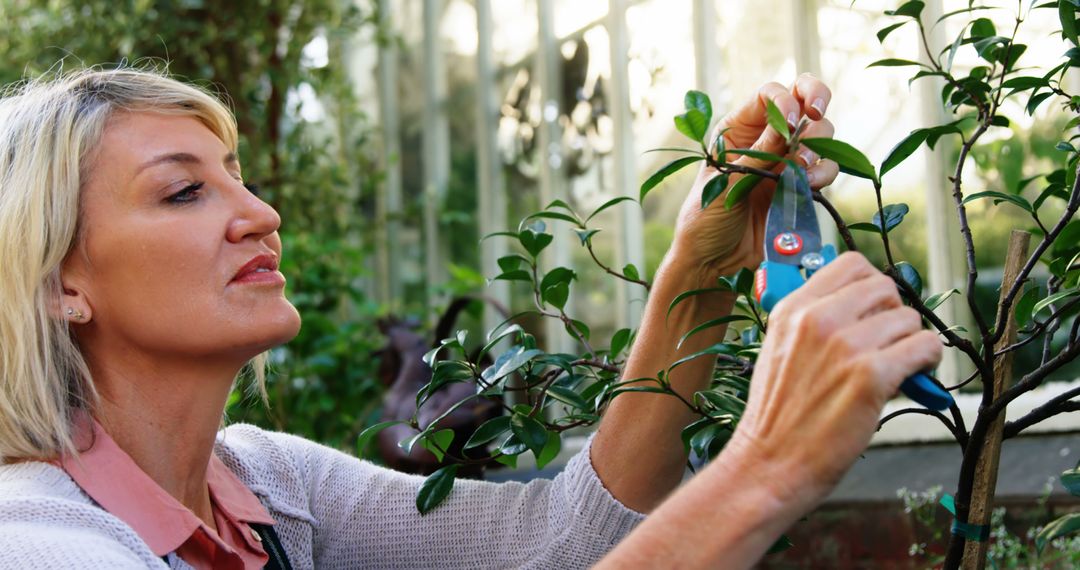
(186, 194)
(252, 187)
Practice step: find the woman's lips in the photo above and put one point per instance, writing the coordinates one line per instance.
(262, 270)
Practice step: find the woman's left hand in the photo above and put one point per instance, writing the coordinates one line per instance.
(721, 241)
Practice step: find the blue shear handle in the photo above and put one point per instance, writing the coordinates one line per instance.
(774, 281)
(921, 389)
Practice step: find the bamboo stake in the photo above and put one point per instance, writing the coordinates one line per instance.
(982, 492)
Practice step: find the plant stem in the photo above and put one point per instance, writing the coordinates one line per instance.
(956, 433)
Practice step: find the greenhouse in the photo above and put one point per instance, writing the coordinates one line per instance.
(540, 284)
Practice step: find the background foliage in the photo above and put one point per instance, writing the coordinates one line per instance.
(320, 177)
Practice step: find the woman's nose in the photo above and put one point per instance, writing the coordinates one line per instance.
(253, 219)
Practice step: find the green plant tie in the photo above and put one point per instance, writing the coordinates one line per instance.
(976, 532)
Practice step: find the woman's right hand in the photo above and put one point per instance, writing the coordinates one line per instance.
(837, 349)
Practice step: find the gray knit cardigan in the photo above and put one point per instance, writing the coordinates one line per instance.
(331, 511)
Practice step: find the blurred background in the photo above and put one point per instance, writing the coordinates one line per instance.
(392, 134)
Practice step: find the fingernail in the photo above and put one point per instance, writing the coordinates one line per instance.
(792, 120)
(808, 157)
(819, 105)
(811, 178)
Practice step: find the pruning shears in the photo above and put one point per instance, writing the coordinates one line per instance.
(793, 245)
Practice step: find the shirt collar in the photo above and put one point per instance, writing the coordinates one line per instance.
(112, 479)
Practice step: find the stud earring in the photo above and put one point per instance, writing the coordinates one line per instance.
(74, 314)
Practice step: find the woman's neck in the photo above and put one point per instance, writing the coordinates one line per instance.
(166, 418)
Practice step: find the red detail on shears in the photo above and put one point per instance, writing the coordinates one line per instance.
(759, 284)
(788, 243)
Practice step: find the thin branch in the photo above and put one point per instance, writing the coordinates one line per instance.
(960, 438)
(1033, 379)
(1059, 404)
(1040, 328)
(841, 226)
(1048, 239)
(884, 231)
(610, 271)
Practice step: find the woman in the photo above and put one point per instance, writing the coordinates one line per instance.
(139, 276)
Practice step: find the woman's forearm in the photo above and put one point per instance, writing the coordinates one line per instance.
(727, 516)
(638, 452)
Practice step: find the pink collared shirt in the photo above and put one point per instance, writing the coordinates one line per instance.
(115, 481)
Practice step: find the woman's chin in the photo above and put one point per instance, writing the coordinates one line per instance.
(271, 330)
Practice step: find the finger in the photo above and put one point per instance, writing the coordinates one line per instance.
(813, 95)
(849, 267)
(853, 303)
(914, 353)
(883, 329)
(817, 129)
(822, 174)
(752, 115)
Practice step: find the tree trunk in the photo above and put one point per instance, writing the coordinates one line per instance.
(971, 554)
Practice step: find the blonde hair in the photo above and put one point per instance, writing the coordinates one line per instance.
(49, 129)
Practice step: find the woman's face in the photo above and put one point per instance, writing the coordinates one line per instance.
(177, 258)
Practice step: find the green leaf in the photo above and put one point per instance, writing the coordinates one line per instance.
(515, 275)
(1022, 83)
(910, 9)
(607, 205)
(438, 442)
(619, 341)
(884, 32)
(369, 433)
(744, 282)
(1071, 481)
(510, 262)
(568, 397)
(512, 446)
(488, 431)
(687, 294)
(436, 488)
(556, 216)
(904, 149)
(557, 276)
(693, 123)
(710, 324)
(667, 170)
(713, 189)
(895, 62)
(1054, 299)
(758, 154)
(775, 117)
(1025, 307)
(631, 271)
(508, 362)
(699, 101)
(579, 327)
(894, 214)
(529, 431)
(783, 543)
(982, 28)
(911, 276)
(1000, 197)
(718, 348)
(740, 190)
(534, 242)
(864, 227)
(934, 301)
(585, 234)
(848, 157)
(1067, 17)
(1067, 524)
(556, 295)
(550, 451)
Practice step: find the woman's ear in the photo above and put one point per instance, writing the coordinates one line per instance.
(74, 303)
